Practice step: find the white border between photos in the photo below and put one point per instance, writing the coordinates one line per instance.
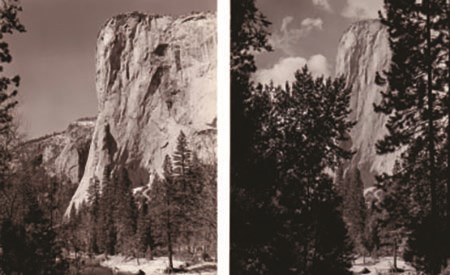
(223, 126)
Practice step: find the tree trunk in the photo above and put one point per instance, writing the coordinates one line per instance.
(169, 246)
(448, 127)
(169, 234)
(431, 146)
(149, 253)
(395, 254)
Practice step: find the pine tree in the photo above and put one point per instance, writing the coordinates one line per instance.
(307, 125)
(125, 214)
(144, 232)
(14, 247)
(205, 211)
(250, 177)
(31, 242)
(165, 209)
(47, 255)
(415, 103)
(108, 236)
(354, 207)
(94, 214)
(299, 134)
(9, 23)
(181, 157)
(184, 187)
(71, 229)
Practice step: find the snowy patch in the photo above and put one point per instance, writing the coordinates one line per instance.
(154, 267)
(380, 266)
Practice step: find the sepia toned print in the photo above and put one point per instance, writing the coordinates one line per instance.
(108, 162)
(340, 137)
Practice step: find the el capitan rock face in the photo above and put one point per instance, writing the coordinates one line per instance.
(156, 76)
(364, 50)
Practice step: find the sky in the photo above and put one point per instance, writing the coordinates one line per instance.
(56, 56)
(307, 32)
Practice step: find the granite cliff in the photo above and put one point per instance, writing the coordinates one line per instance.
(364, 50)
(155, 77)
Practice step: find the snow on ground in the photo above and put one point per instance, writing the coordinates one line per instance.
(153, 267)
(381, 266)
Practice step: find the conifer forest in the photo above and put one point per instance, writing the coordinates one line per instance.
(339, 137)
(345, 173)
(132, 189)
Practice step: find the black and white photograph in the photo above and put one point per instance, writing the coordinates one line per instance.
(108, 136)
(340, 137)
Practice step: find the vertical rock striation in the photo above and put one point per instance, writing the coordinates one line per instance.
(156, 76)
(364, 50)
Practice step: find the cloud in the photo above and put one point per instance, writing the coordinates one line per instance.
(309, 24)
(318, 65)
(285, 23)
(324, 4)
(362, 9)
(285, 68)
(287, 38)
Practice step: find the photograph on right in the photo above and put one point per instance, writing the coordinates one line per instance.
(340, 137)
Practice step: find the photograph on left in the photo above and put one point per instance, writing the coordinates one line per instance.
(108, 137)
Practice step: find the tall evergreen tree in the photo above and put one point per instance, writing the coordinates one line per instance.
(108, 236)
(165, 209)
(145, 236)
(205, 211)
(184, 187)
(9, 23)
(249, 179)
(47, 255)
(126, 212)
(94, 214)
(415, 102)
(301, 129)
(182, 157)
(29, 241)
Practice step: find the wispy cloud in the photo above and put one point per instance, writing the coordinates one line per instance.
(287, 38)
(285, 23)
(324, 4)
(362, 9)
(285, 68)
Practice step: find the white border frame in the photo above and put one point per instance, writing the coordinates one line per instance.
(223, 126)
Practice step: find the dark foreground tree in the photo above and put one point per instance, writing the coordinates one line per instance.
(300, 131)
(249, 33)
(417, 105)
(27, 229)
(281, 143)
(9, 24)
(297, 135)
(29, 240)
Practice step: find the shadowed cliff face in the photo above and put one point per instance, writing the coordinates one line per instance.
(155, 77)
(63, 154)
(363, 51)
